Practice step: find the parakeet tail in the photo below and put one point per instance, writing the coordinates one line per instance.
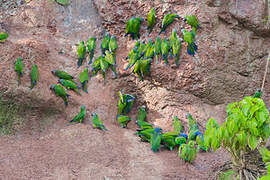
(79, 62)
(103, 127)
(66, 103)
(77, 91)
(84, 86)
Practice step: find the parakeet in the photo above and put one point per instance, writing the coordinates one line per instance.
(113, 45)
(3, 37)
(110, 58)
(104, 66)
(105, 43)
(176, 49)
(168, 142)
(133, 57)
(156, 139)
(137, 69)
(192, 21)
(81, 51)
(143, 124)
(97, 123)
(19, 69)
(91, 46)
(145, 68)
(258, 93)
(200, 142)
(96, 66)
(145, 134)
(187, 152)
(192, 124)
(80, 117)
(136, 27)
(177, 124)
(70, 85)
(165, 50)
(167, 20)
(189, 38)
(123, 120)
(181, 139)
(157, 49)
(34, 76)
(150, 52)
(125, 103)
(83, 77)
(141, 114)
(61, 92)
(129, 27)
(62, 74)
(151, 19)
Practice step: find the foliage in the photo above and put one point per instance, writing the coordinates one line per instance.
(62, 2)
(246, 128)
(266, 159)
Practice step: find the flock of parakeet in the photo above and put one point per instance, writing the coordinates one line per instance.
(140, 59)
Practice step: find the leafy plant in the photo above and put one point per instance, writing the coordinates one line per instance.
(245, 129)
(266, 159)
(62, 2)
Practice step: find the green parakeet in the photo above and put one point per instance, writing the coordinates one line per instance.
(136, 27)
(151, 19)
(3, 37)
(81, 51)
(189, 38)
(156, 139)
(113, 45)
(181, 140)
(137, 69)
(61, 92)
(63, 75)
(176, 49)
(91, 46)
(104, 66)
(70, 85)
(165, 50)
(125, 103)
(97, 123)
(177, 125)
(144, 125)
(187, 152)
(168, 141)
(34, 76)
(150, 52)
(145, 134)
(80, 117)
(167, 20)
(96, 65)
(258, 93)
(83, 77)
(145, 68)
(129, 27)
(192, 21)
(111, 61)
(105, 43)
(157, 49)
(141, 114)
(123, 120)
(133, 57)
(19, 69)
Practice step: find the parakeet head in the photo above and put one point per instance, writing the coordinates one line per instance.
(112, 37)
(117, 116)
(143, 107)
(259, 90)
(183, 31)
(52, 86)
(20, 59)
(197, 133)
(93, 113)
(82, 106)
(53, 71)
(60, 80)
(158, 130)
(184, 135)
(188, 116)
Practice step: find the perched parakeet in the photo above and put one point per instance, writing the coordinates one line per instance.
(61, 92)
(129, 27)
(19, 69)
(151, 19)
(91, 46)
(113, 45)
(189, 38)
(137, 69)
(81, 51)
(143, 124)
(62, 75)
(200, 142)
(150, 52)
(145, 68)
(192, 21)
(141, 114)
(165, 50)
(193, 133)
(105, 43)
(70, 85)
(104, 66)
(176, 49)
(80, 116)
(157, 49)
(83, 77)
(167, 20)
(177, 124)
(96, 65)
(258, 93)
(97, 123)
(125, 103)
(123, 120)
(156, 139)
(34, 76)
(187, 152)
(3, 37)
(133, 57)
(142, 48)
(181, 139)
(168, 141)
(110, 59)
(136, 27)
(192, 123)
(145, 134)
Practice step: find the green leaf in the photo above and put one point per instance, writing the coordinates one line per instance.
(252, 142)
(62, 2)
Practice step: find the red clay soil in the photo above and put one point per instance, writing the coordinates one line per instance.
(46, 33)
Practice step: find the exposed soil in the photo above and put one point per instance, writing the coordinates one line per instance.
(45, 33)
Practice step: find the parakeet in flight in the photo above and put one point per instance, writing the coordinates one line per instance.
(97, 123)
(81, 51)
(19, 69)
(34, 76)
(61, 92)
